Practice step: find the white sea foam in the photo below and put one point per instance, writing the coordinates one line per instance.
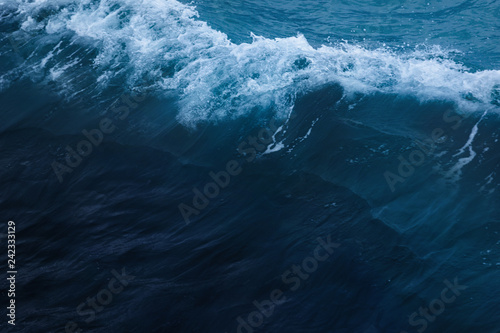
(456, 171)
(162, 46)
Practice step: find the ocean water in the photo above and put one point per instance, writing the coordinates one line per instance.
(251, 166)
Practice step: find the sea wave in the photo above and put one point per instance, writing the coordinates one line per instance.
(162, 46)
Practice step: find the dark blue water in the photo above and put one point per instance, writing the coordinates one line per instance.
(251, 166)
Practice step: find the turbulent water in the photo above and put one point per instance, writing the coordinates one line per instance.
(206, 148)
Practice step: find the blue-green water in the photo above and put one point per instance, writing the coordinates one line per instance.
(257, 166)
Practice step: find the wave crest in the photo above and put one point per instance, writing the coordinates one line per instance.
(162, 46)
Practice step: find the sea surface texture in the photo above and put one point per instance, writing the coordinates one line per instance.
(304, 166)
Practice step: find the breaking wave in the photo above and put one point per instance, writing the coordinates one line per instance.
(163, 47)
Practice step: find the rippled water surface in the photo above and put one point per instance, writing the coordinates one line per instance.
(252, 166)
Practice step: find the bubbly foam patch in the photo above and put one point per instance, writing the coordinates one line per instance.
(162, 46)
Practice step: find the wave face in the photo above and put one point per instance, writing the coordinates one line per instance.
(373, 123)
(162, 46)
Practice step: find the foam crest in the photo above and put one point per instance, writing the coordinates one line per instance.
(162, 46)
